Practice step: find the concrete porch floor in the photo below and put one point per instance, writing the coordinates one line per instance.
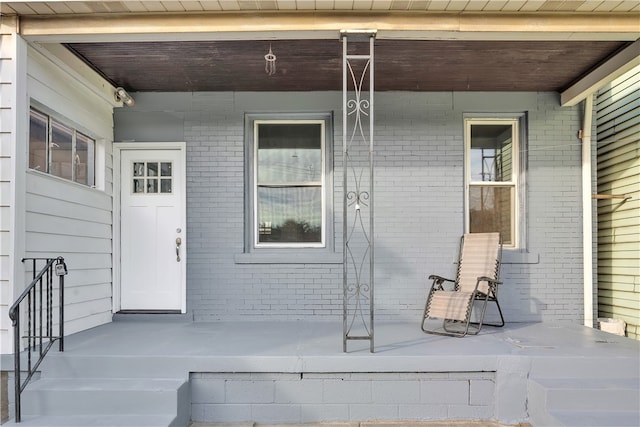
(565, 356)
(288, 346)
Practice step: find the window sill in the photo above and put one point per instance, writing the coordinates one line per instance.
(288, 257)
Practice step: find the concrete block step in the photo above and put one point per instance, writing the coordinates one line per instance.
(590, 394)
(63, 365)
(97, 421)
(576, 367)
(596, 418)
(82, 396)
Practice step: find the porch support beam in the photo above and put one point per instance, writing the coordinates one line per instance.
(357, 163)
(619, 64)
(241, 26)
(587, 215)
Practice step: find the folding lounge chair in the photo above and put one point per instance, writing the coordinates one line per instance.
(477, 280)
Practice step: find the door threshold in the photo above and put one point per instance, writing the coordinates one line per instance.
(174, 315)
(148, 312)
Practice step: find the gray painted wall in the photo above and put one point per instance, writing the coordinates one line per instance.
(418, 203)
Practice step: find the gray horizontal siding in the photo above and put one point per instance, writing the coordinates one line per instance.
(73, 221)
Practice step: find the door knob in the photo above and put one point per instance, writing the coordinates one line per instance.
(178, 244)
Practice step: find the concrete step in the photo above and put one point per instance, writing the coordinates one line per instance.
(98, 421)
(102, 396)
(584, 401)
(622, 394)
(65, 365)
(596, 418)
(577, 367)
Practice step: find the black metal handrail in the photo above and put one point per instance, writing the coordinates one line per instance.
(39, 333)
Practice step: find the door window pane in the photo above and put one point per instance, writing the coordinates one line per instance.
(138, 169)
(152, 169)
(165, 185)
(165, 168)
(138, 185)
(152, 185)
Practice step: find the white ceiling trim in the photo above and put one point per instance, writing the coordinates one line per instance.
(314, 25)
(624, 61)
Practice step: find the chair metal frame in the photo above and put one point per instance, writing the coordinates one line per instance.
(451, 327)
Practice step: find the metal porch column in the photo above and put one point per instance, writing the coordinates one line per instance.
(357, 169)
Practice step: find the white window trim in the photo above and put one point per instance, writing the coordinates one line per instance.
(323, 180)
(515, 172)
(51, 117)
(289, 253)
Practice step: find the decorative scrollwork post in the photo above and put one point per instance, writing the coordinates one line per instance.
(357, 162)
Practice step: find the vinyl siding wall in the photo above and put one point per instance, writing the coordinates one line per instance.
(8, 65)
(67, 219)
(419, 203)
(618, 127)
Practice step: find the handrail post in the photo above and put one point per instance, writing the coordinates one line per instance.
(16, 364)
(61, 304)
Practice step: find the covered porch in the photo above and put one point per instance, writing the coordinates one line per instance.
(296, 372)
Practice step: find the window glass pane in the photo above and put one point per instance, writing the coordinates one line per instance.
(289, 153)
(491, 152)
(152, 169)
(152, 185)
(165, 168)
(38, 141)
(84, 159)
(138, 169)
(490, 210)
(165, 185)
(138, 185)
(61, 150)
(289, 214)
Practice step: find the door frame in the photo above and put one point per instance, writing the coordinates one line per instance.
(118, 147)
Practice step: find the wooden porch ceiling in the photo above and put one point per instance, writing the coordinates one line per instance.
(316, 65)
(488, 45)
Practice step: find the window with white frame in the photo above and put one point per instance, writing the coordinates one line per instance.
(492, 170)
(58, 149)
(289, 171)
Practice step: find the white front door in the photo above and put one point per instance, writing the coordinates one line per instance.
(152, 230)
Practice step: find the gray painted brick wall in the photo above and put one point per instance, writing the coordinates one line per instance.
(419, 196)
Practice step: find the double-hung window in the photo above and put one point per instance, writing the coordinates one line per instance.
(492, 167)
(288, 172)
(58, 149)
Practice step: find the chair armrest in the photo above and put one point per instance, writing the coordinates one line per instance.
(440, 278)
(438, 281)
(493, 283)
(489, 279)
